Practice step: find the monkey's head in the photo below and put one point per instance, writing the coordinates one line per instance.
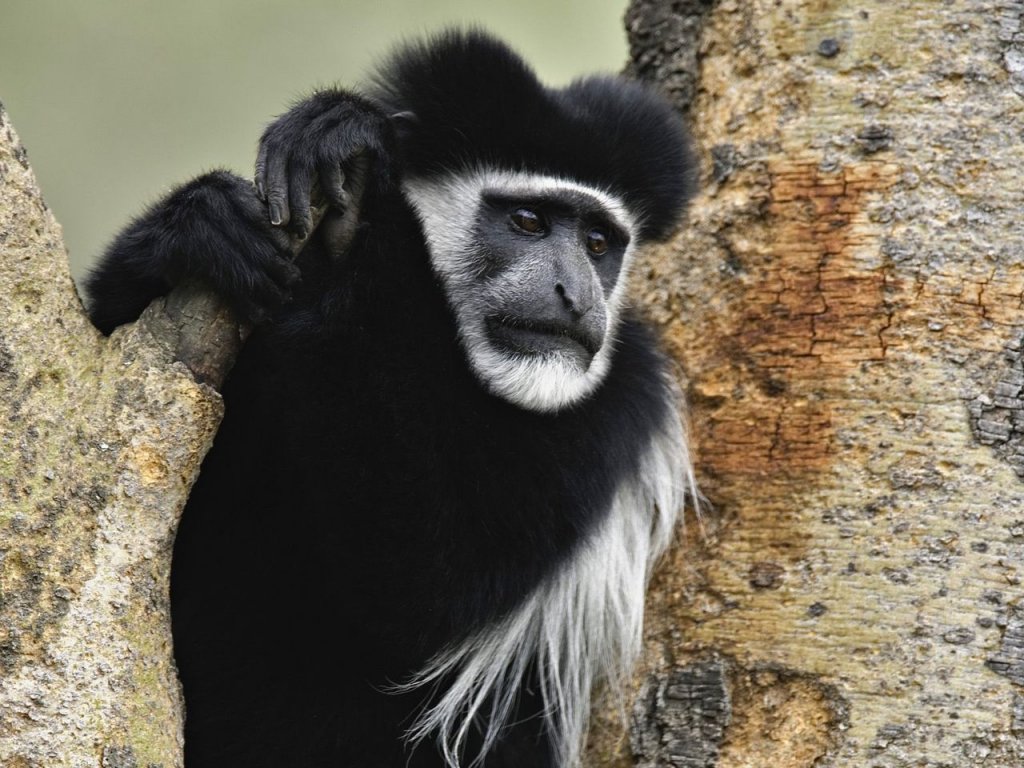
(532, 202)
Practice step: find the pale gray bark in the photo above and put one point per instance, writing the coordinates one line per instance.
(100, 440)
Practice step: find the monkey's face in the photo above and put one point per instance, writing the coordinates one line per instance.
(534, 270)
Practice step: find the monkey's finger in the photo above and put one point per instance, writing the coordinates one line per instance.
(261, 172)
(248, 208)
(332, 182)
(283, 272)
(277, 189)
(281, 239)
(299, 187)
(266, 285)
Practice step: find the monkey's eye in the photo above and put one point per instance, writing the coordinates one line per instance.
(597, 242)
(528, 220)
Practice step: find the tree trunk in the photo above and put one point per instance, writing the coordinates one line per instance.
(846, 303)
(100, 440)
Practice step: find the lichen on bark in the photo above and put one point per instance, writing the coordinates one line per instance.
(100, 440)
(846, 304)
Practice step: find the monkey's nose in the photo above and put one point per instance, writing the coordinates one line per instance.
(571, 303)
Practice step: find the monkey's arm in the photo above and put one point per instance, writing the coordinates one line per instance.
(213, 229)
(326, 138)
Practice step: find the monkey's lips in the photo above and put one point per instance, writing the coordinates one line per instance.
(526, 336)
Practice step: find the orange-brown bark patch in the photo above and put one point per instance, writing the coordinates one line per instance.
(814, 306)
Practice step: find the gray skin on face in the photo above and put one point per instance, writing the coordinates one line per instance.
(550, 264)
(533, 268)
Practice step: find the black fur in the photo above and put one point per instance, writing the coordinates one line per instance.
(367, 502)
(475, 102)
(194, 233)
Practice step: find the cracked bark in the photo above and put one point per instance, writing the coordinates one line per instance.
(846, 301)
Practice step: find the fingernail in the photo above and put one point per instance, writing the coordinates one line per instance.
(275, 215)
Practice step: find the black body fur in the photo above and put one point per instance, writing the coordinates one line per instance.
(367, 502)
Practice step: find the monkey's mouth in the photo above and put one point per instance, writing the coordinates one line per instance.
(532, 337)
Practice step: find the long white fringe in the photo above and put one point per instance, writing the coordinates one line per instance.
(582, 625)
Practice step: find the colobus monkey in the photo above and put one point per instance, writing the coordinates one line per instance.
(451, 452)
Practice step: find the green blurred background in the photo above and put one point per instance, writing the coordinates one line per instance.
(116, 100)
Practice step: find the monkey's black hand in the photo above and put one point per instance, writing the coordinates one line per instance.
(319, 139)
(214, 229)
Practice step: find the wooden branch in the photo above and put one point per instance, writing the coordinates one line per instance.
(202, 330)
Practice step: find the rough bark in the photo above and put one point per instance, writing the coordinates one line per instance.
(100, 440)
(847, 304)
